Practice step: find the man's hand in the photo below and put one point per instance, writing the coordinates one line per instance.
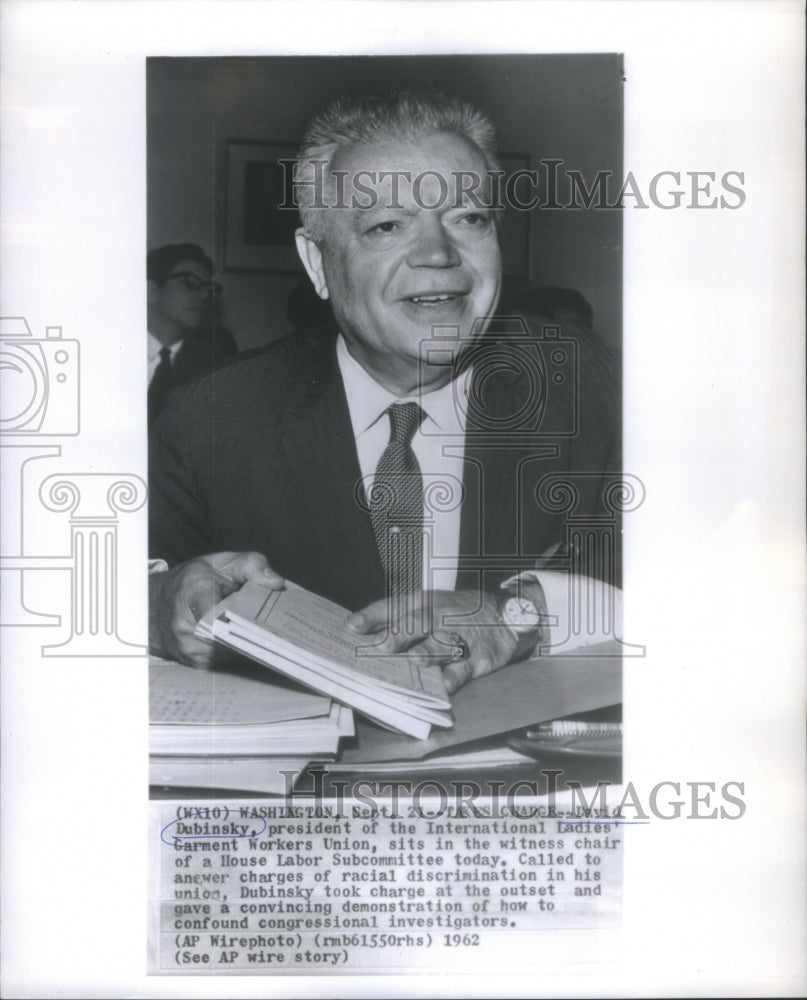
(428, 625)
(181, 596)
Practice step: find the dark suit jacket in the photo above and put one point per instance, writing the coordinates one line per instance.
(260, 455)
(201, 353)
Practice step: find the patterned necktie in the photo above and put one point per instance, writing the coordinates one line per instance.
(396, 503)
(160, 385)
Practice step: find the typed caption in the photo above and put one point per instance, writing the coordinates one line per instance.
(261, 888)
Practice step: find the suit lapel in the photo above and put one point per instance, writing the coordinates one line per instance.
(190, 359)
(501, 451)
(321, 453)
(485, 514)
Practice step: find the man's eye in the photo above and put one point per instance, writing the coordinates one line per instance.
(475, 220)
(384, 227)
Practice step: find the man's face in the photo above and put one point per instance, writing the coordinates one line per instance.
(175, 307)
(418, 257)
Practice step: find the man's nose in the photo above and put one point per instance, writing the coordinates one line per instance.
(433, 246)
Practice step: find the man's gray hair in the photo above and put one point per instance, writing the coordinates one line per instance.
(349, 122)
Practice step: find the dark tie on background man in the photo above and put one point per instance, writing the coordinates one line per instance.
(396, 503)
(160, 385)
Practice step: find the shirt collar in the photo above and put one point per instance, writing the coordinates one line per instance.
(154, 347)
(368, 401)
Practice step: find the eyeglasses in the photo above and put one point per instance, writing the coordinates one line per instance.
(212, 289)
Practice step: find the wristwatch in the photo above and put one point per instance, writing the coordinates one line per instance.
(526, 620)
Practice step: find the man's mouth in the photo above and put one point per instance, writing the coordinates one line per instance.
(434, 298)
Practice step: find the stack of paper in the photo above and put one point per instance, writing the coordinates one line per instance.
(267, 775)
(303, 636)
(227, 729)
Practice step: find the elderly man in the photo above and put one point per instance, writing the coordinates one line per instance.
(393, 462)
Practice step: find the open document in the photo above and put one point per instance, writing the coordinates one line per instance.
(303, 636)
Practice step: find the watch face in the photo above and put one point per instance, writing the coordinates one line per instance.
(521, 613)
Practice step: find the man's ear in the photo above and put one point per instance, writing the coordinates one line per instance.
(311, 256)
(152, 290)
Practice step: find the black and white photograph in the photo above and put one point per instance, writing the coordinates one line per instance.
(431, 458)
(403, 499)
(505, 454)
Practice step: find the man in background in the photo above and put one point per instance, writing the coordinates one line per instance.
(183, 343)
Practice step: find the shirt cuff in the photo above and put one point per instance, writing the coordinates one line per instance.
(582, 610)
(157, 566)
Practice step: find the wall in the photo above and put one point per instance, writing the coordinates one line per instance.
(566, 107)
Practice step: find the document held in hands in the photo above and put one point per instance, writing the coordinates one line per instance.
(303, 636)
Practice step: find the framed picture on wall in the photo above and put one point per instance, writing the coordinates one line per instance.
(258, 230)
